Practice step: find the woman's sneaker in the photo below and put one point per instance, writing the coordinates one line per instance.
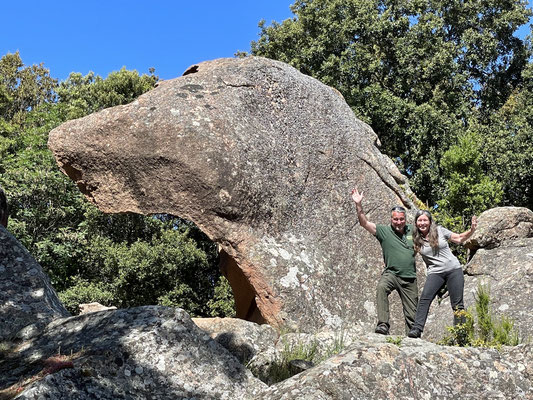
(414, 333)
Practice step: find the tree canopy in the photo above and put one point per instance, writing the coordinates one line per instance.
(422, 73)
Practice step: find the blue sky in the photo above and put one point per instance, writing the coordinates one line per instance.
(103, 36)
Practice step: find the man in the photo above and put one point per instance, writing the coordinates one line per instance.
(396, 242)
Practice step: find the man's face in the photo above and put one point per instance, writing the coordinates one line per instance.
(397, 221)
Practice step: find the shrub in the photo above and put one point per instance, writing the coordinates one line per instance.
(84, 292)
(281, 368)
(491, 331)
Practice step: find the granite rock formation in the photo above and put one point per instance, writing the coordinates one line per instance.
(159, 353)
(27, 300)
(263, 159)
(139, 353)
(371, 368)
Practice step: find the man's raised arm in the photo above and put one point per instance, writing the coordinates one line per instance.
(365, 223)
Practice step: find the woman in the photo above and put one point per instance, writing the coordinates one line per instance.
(431, 241)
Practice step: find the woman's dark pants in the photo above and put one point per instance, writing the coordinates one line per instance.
(455, 281)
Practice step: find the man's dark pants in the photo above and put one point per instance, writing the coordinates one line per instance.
(408, 291)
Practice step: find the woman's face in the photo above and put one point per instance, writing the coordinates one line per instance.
(423, 223)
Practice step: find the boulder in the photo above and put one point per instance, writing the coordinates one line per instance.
(27, 300)
(263, 159)
(371, 368)
(138, 353)
(507, 271)
(243, 339)
(501, 224)
(92, 307)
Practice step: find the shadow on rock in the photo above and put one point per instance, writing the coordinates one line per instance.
(141, 353)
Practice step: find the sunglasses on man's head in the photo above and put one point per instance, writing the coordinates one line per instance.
(398, 209)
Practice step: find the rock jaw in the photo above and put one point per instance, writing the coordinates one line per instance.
(254, 300)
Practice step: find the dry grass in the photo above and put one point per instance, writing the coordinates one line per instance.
(48, 366)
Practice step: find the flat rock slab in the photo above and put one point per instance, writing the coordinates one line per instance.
(263, 159)
(374, 369)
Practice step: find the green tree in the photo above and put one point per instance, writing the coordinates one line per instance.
(44, 204)
(222, 304)
(413, 69)
(83, 95)
(469, 191)
(23, 88)
(169, 270)
(507, 151)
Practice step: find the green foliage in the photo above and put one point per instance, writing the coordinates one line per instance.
(44, 204)
(462, 334)
(22, 88)
(222, 304)
(419, 72)
(490, 332)
(504, 332)
(397, 341)
(483, 313)
(82, 292)
(82, 95)
(168, 269)
(507, 150)
(281, 369)
(468, 190)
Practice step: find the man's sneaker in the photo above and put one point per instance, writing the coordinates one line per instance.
(382, 329)
(414, 333)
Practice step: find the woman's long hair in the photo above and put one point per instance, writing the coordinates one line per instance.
(433, 235)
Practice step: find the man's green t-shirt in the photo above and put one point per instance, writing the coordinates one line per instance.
(398, 251)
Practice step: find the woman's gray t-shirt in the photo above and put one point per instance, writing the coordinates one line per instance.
(441, 259)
